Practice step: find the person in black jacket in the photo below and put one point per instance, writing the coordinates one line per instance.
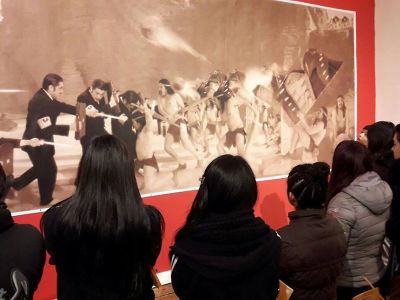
(223, 251)
(313, 244)
(41, 123)
(128, 105)
(21, 247)
(104, 240)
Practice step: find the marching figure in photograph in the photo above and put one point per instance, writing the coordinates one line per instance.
(93, 98)
(43, 110)
(128, 103)
(211, 117)
(169, 105)
(235, 105)
(142, 122)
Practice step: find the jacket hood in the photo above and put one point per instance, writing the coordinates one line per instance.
(371, 191)
(225, 248)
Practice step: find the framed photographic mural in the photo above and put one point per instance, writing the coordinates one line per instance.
(186, 81)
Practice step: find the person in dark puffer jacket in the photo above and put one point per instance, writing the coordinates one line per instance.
(360, 200)
(223, 251)
(313, 244)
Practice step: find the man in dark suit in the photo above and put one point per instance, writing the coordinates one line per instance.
(43, 110)
(95, 106)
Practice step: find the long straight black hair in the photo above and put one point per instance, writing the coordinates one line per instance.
(228, 185)
(107, 201)
(105, 224)
(350, 160)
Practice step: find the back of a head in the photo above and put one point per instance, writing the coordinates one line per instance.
(380, 137)
(106, 185)
(99, 84)
(51, 79)
(308, 184)
(228, 185)
(131, 97)
(350, 160)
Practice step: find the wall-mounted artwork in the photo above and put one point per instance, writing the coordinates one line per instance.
(179, 81)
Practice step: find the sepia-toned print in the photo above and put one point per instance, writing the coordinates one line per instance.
(179, 81)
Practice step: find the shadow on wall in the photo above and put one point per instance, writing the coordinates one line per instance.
(273, 211)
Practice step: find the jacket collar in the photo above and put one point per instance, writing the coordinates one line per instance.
(309, 212)
(47, 93)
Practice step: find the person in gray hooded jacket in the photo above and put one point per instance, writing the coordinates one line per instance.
(360, 200)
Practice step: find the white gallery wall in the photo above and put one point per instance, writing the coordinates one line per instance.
(387, 60)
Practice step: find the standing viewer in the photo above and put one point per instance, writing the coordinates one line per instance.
(43, 110)
(103, 240)
(313, 244)
(223, 251)
(360, 201)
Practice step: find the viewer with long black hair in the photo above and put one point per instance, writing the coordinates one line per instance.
(223, 251)
(313, 244)
(103, 240)
(360, 200)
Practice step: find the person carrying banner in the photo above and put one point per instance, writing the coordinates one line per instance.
(169, 105)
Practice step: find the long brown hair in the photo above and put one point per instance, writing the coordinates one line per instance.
(350, 160)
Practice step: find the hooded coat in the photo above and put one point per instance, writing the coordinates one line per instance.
(362, 208)
(229, 256)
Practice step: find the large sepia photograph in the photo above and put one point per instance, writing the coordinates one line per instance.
(180, 82)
